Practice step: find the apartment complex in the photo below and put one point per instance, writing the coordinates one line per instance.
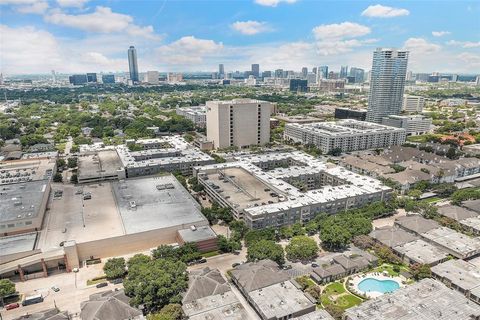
(196, 114)
(389, 68)
(238, 123)
(413, 103)
(283, 188)
(413, 125)
(347, 135)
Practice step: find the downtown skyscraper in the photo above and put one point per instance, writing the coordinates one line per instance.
(132, 64)
(389, 69)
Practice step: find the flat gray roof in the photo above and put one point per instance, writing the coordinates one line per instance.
(21, 201)
(421, 251)
(460, 273)
(472, 205)
(316, 315)
(457, 213)
(279, 300)
(154, 203)
(416, 223)
(216, 307)
(201, 233)
(392, 236)
(17, 243)
(103, 163)
(425, 300)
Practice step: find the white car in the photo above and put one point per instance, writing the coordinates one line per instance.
(55, 288)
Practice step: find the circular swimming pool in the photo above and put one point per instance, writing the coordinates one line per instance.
(382, 286)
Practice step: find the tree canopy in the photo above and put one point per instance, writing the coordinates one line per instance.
(114, 268)
(301, 248)
(266, 249)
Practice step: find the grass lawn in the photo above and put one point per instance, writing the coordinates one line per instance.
(96, 280)
(389, 268)
(211, 254)
(433, 199)
(336, 294)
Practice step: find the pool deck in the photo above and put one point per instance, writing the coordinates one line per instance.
(375, 275)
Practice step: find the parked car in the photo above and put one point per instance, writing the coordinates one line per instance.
(314, 265)
(101, 285)
(117, 281)
(203, 260)
(55, 288)
(287, 267)
(12, 306)
(236, 264)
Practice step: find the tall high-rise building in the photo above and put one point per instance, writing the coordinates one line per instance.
(78, 79)
(256, 70)
(389, 68)
(221, 71)
(314, 70)
(54, 76)
(239, 122)
(132, 64)
(304, 72)
(266, 74)
(343, 72)
(279, 73)
(322, 72)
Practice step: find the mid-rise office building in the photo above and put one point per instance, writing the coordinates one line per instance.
(279, 73)
(152, 77)
(256, 70)
(358, 74)
(108, 78)
(413, 103)
(346, 135)
(132, 64)
(356, 114)
(78, 79)
(298, 85)
(413, 125)
(238, 122)
(266, 74)
(389, 68)
(322, 72)
(91, 77)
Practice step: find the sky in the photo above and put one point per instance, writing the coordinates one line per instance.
(71, 36)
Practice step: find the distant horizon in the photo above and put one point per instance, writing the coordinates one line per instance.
(193, 36)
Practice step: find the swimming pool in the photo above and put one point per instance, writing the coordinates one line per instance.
(382, 286)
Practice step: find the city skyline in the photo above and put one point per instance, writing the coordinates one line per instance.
(87, 36)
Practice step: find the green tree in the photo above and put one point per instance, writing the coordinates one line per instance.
(172, 311)
(139, 258)
(301, 248)
(61, 163)
(335, 311)
(114, 268)
(420, 271)
(156, 283)
(74, 178)
(239, 227)
(72, 162)
(57, 177)
(228, 245)
(256, 235)
(7, 288)
(266, 249)
(334, 236)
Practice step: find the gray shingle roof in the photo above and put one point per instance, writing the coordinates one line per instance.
(204, 283)
(256, 275)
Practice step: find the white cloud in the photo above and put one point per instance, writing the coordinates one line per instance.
(273, 3)
(340, 30)
(188, 51)
(440, 33)
(379, 11)
(18, 2)
(470, 59)
(250, 27)
(419, 45)
(102, 20)
(29, 50)
(35, 8)
(72, 3)
(464, 44)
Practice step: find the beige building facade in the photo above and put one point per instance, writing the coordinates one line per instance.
(238, 123)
